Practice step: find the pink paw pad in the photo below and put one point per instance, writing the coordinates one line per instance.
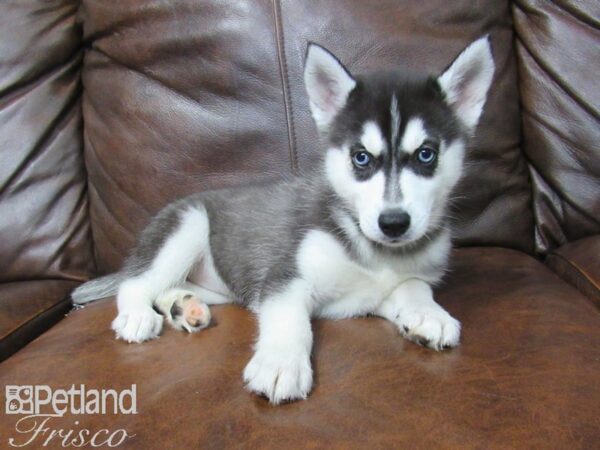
(194, 311)
(189, 313)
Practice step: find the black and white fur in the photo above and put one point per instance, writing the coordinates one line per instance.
(346, 241)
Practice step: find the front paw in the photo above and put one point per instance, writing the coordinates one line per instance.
(279, 375)
(137, 324)
(430, 326)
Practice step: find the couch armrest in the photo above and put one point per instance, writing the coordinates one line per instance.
(28, 308)
(578, 263)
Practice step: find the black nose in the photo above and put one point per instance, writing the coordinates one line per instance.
(394, 222)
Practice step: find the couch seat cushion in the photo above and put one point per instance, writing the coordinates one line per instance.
(578, 262)
(526, 374)
(28, 308)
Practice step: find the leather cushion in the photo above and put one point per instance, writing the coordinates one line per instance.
(557, 48)
(525, 376)
(43, 203)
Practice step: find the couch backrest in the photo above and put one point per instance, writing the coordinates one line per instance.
(558, 48)
(198, 94)
(192, 95)
(44, 227)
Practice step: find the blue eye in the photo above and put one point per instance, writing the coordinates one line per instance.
(426, 155)
(361, 159)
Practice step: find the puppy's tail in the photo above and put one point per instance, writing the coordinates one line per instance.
(96, 289)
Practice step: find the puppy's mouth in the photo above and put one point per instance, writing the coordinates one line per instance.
(392, 242)
(379, 239)
(384, 241)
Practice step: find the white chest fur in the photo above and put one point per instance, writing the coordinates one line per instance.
(346, 286)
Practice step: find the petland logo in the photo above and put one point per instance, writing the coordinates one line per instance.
(40, 404)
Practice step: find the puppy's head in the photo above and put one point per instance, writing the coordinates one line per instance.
(395, 145)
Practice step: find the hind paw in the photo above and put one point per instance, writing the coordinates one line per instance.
(184, 311)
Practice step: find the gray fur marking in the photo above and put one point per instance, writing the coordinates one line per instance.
(255, 233)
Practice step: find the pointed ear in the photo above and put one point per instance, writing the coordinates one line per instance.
(467, 81)
(328, 84)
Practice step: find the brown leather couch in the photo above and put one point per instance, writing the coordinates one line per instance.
(108, 110)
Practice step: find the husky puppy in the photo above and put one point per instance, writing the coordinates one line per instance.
(367, 233)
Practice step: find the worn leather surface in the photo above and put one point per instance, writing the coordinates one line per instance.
(186, 96)
(44, 225)
(578, 262)
(525, 376)
(557, 48)
(28, 308)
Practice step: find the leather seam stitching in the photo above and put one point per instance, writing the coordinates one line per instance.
(578, 269)
(536, 246)
(283, 71)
